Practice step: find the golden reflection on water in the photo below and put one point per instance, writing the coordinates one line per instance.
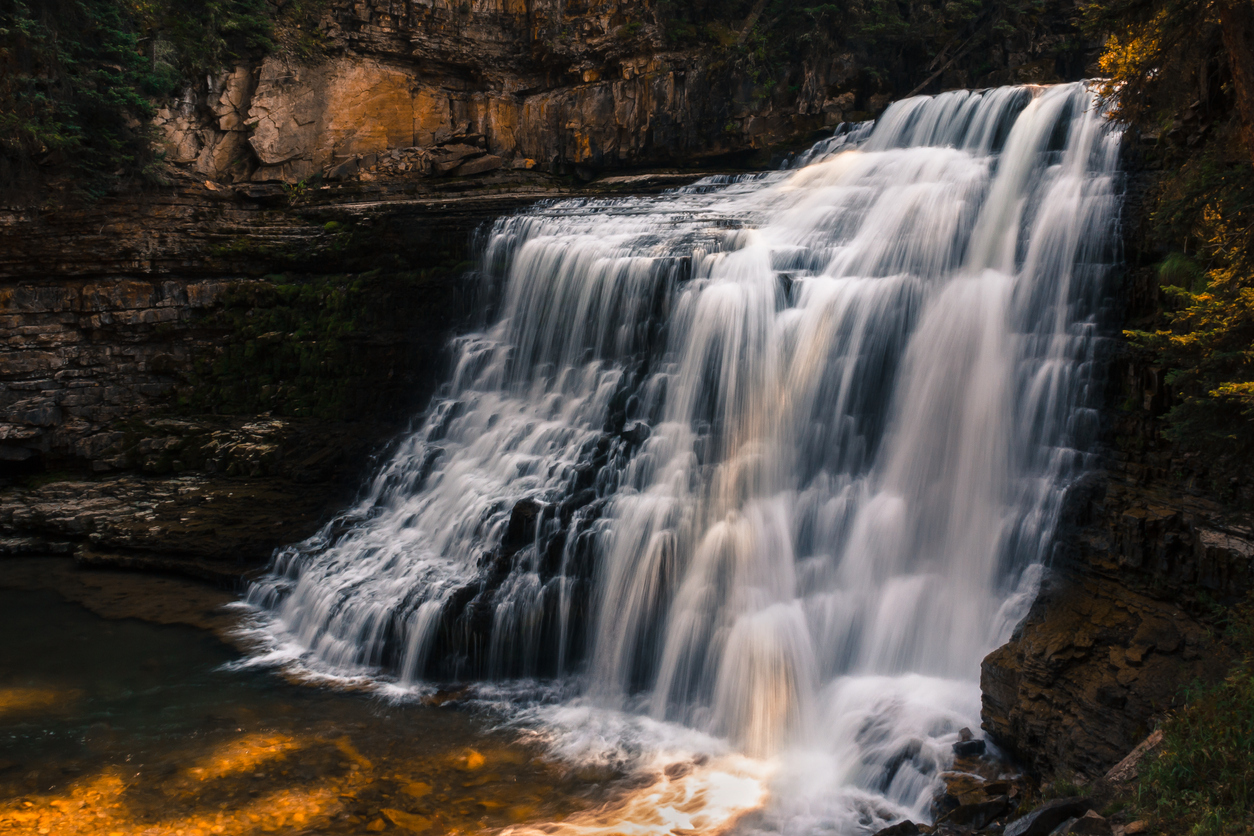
(18, 701)
(280, 783)
(116, 729)
(699, 798)
(262, 783)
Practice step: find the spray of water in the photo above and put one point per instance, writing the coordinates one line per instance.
(772, 457)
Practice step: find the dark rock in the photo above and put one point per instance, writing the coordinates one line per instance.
(636, 432)
(901, 828)
(969, 748)
(345, 170)
(264, 193)
(481, 165)
(522, 525)
(1091, 823)
(1043, 820)
(979, 815)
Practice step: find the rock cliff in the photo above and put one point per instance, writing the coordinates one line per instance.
(553, 84)
(438, 88)
(192, 377)
(1153, 548)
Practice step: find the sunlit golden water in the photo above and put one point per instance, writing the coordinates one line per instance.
(124, 727)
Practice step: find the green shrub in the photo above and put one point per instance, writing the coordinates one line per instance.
(1202, 782)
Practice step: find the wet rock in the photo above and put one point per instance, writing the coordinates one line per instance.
(202, 526)
(407, 821)
(1043, 820)
(522, 525)
(636, 432)
(969, 748)
(979, 815)
(902, 828)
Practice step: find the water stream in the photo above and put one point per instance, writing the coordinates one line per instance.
(757, 471)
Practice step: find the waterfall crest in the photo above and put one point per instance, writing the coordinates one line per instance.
(772, 457)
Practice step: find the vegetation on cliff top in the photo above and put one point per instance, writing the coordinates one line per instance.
(902, 46)
(1184, 70)
(77, 78)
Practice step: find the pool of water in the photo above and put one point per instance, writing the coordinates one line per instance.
(121, 726)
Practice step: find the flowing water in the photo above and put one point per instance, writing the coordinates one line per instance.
(758, 470)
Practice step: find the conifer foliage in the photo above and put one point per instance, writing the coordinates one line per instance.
(77, 78)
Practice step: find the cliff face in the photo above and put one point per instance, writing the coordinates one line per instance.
(1153, 548)
(194, 376)
(439, 87)
(546, 83)
(1129, 617)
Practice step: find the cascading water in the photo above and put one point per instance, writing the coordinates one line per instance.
(773, 458)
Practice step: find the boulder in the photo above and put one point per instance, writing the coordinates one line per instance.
(978, 816)
(1043, 820)
(344, 170)
(969, 748)
(901, 828)
(449, 157)
(636, 432)
(480, 165)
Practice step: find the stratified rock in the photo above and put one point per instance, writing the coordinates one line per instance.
(1116, 628)
(482, 165)
(1043, 820)
(449, 157)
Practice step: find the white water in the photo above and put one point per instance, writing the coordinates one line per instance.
(792, 447)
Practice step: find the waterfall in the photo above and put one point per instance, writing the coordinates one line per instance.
(775, 458)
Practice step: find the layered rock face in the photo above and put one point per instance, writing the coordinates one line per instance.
(193, 377)
(1127, 620)
(469, 87)
(549, 83)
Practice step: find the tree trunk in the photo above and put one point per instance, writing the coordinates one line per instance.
(1236, 19)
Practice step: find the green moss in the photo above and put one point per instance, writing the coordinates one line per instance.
(300, 345)
(287, 350)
